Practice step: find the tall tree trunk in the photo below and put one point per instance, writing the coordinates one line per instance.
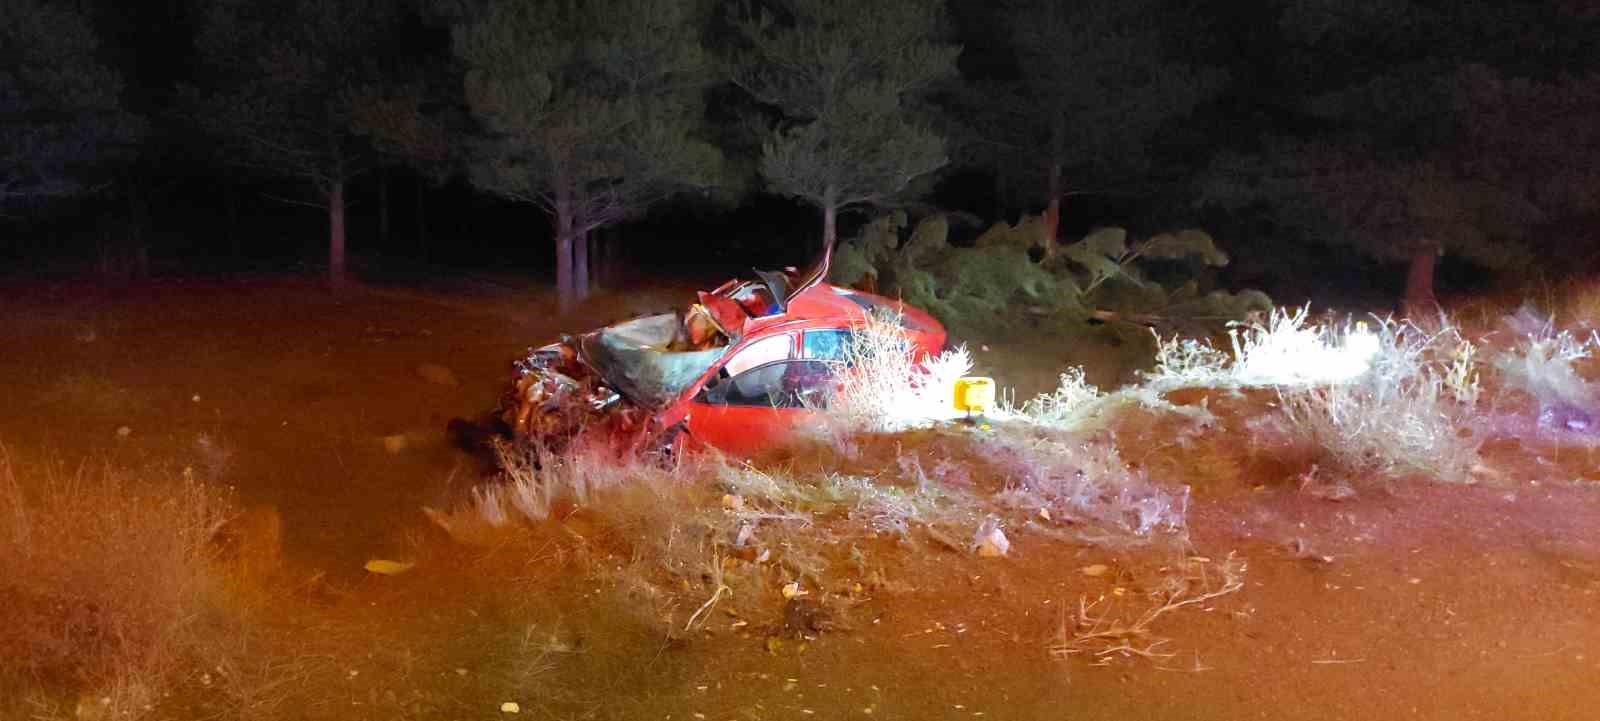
(336, 276)
(581, 251)
(830, 224)
(565, 290)
(422, 218)
(383, 208)
(1052, 211)
(1420, 302)
(1052, 206)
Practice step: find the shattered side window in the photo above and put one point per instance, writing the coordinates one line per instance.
(785, 384)
(827, 345)
(761, 352)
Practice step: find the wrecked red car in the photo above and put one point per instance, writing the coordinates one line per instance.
(738, 370)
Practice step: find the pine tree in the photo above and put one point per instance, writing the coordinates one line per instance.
(1423, 142)
(1096, 81)
(60, 118)
(847, 79)
(590, 111)
(283, 85)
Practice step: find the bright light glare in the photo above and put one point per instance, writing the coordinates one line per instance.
(891, 388)
(1289, 353)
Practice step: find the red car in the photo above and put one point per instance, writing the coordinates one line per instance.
(738, 370)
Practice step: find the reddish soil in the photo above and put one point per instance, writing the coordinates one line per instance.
(1419, 601)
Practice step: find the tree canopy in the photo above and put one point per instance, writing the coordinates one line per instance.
(1094, 83)
(844, 78)
(592, 111)
(1451, 152)
(284, 87)
(61, 119)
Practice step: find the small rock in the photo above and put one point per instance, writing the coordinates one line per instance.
(510, 707)
(1098, 569)
(437, 374)
(791, 590)
(124, 432)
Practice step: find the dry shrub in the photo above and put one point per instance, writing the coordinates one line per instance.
(889, 385)
(108, 583)
(1541, 362)
(1106, 628)
(1378, 398)
(1074, 403)
(1409, 414)
(1083, 487)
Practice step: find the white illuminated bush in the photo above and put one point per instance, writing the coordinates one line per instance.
(1286, 350)
(1381, 398)
(889, 385)
(1074, 401)
(1541, 363)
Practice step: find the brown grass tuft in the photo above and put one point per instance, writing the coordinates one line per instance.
(109, 584)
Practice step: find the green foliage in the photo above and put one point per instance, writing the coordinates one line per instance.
(1438, 140)
(1001, 280)
(1347, 193)
(592, 106)
(1098, 80)
(60, 119)
(284, 82)
(845, 76)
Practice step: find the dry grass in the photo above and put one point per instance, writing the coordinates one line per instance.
(1106, 629)
(109, 583)
(889, 386)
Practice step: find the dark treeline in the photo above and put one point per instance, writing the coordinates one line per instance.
(1306, 134)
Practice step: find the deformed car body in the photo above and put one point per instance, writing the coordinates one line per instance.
(738, 371)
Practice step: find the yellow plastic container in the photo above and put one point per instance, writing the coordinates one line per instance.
(974, 394)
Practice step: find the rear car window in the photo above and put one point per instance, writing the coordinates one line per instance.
(828, 345)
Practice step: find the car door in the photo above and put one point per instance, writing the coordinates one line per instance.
(759, 397)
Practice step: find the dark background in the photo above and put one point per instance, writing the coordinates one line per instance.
(1273, 71)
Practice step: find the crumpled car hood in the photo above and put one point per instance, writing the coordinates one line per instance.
(632, 358)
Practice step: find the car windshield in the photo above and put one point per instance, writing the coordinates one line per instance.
(635, 359)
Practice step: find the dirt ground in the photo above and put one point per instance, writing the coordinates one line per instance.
(1423, 601)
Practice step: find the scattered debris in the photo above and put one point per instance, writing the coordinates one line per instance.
(1099, 633)
(990, 541)
(388, 568)
(1300, 550)
(395, 444)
